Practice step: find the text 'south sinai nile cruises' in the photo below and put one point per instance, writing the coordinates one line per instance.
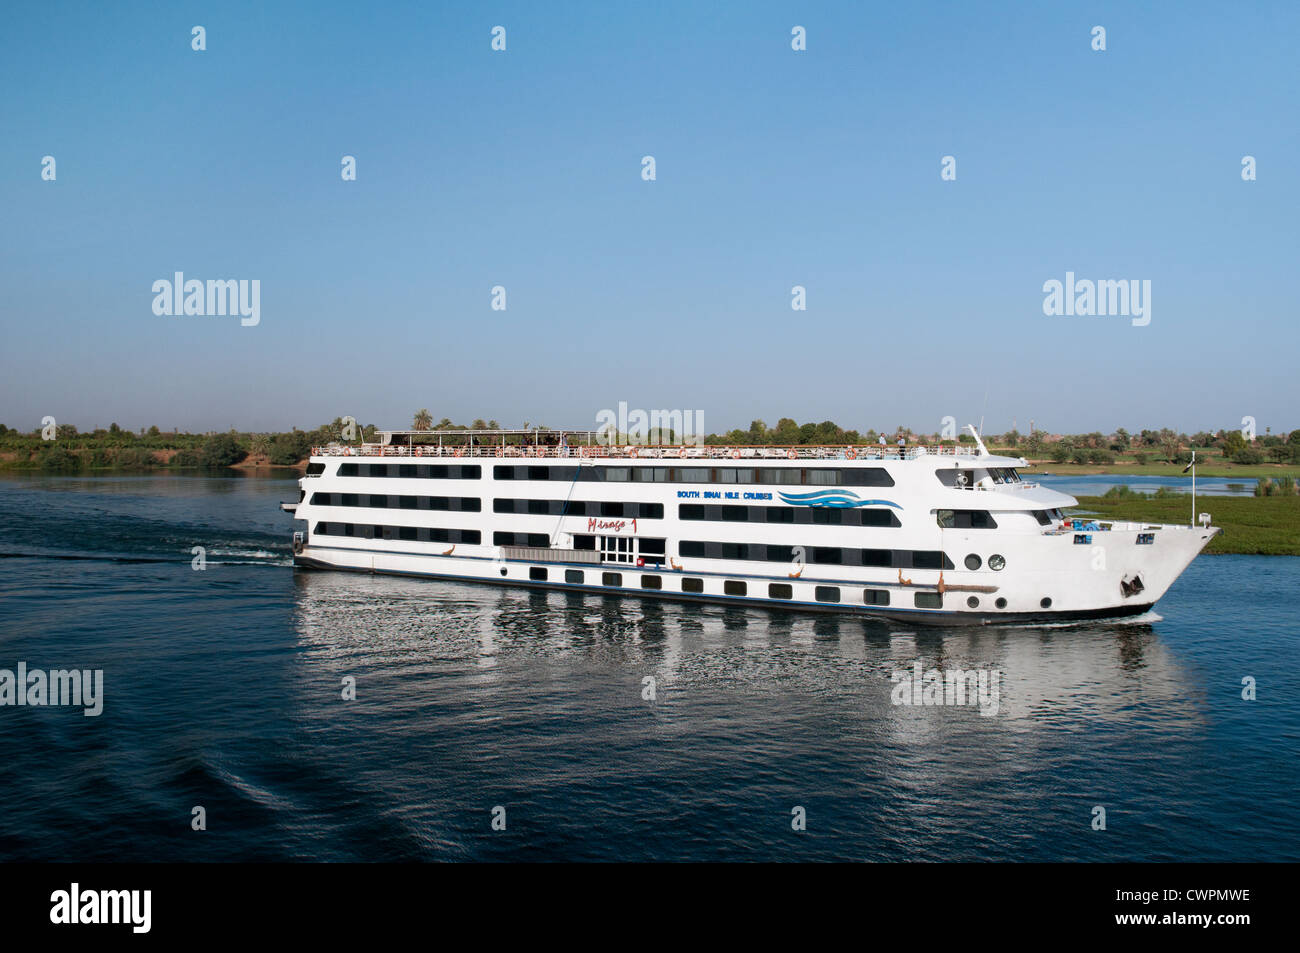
(947, 535)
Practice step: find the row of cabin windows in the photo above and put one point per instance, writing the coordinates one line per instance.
(965, 519)
(463, 504)
(412, 471)
(415, 534)
(645, 511)
(820, 555)
(799, 515)
(736, 587)
(792, 476)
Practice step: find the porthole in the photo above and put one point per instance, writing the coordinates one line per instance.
(1045, 602)
(503, 570)
(1000, 602)
(973, 562)
(973, 602)
(997, 563)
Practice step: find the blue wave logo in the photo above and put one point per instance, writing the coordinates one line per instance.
(839, 499)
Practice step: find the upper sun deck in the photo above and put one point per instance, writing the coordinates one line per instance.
(588, 444)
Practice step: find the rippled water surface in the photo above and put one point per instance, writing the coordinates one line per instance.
(223, 689)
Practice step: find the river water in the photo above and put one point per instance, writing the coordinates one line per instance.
(223, 690)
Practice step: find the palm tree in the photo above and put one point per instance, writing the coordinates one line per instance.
(423, 420)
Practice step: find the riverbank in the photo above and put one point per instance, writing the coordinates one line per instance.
(1227, 471)
(1252, 525)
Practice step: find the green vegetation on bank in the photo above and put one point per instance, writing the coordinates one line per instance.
(153, 449)
(1268, 525)
(1223, 453)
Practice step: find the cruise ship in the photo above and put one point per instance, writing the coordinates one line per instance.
(944, 535)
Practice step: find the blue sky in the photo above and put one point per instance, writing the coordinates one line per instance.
(775, 168)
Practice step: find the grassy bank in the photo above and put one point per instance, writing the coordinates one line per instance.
(1268, 526)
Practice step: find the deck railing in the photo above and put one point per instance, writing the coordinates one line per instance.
(622, 452)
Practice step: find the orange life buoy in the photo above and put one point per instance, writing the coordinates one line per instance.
(460, 451)
(790, 454)
(735, 454)
(682, 453)
(851, 453)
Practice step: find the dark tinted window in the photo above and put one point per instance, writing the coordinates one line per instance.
(780, 590)
(692, 585)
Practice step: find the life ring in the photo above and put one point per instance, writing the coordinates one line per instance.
(735, 454)
(632, 452)
(790, 454)
(850, 453)
(347, 451)
(682, 453)
(460, 451)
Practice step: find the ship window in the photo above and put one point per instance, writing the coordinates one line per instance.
(827, 516)
(1045, 602)
(538, 473)
(928, 600)
(378, 470)
(574, 575)
(611, 509)
(735, 514)
(827, 594)
(734, 587)
(1043, 517)
(877, 557)
(347, 469)
(965, 519)
(692, 585)
(323, 528)
(537, 573)
(585, 543)
(780, 590)
(972, 602)
(867, 476)
(831, 555)
(997, 563)
(726, 475)
(689, 547)
(611, 578)
(409, 502)
(618, 474)
(653, 546)
(1000, 602)
(780, 514)
(652, 582)
(686, 511)
(694, 475)
(823, 477)
(316, 469)
(408, 532)
(973, 562)
(777, 475)
(875, 597)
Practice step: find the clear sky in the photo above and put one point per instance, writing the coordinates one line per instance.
(774, 168)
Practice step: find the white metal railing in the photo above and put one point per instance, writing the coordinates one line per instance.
(687, 452)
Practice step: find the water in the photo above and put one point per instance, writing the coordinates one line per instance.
(1096, 484)
(223, 689)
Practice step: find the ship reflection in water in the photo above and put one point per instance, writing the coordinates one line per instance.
(541, 701)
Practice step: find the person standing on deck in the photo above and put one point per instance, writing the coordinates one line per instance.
(902, 445)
